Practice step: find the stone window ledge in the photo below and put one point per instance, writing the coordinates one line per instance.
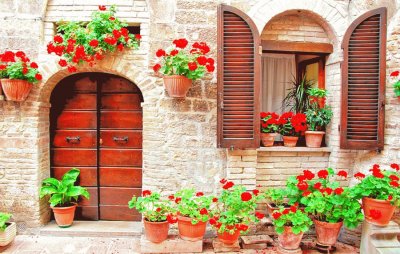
(293, 149)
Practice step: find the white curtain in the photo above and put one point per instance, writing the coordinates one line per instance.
(278, 70)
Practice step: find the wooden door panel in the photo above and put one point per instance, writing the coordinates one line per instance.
(111, 212)
(74, 157)
(93, 200)
(121, 101)
(75, 138)
(87, 213)
(87, 177)
(119, 85)
(84, 85)
(81, 102)
(119, 157)
(77, 120)
(121, 119)
(117, 195)
(121, 138)
(120, 177)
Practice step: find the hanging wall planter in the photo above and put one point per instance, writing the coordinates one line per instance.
(16, 89)
(177, 86)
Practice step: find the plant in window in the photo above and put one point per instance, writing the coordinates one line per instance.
(291, 126)
(157, 212)
(63, 196)
(234, 211)
(317, 96)
(380, 193)
(396, 84)
(317, 119)
(290, 224)
(269, 127)
(297, 99)
(180, 66)
(79, 42)
(8, 230)
(17, 75)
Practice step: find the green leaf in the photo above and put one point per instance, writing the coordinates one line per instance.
(56, 199)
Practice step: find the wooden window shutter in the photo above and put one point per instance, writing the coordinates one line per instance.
(238, 80)
(363, 83)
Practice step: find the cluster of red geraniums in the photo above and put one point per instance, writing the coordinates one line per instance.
(16, 65)
(396, 85)
(78, 42)
(178, 60)
(269, 122)
(291, 217)
(292, 124)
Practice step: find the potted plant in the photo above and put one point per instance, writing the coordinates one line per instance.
(17, 75)
(193, 213)
(330, 205)
(63, 196)
(317, 96)
(396, 84)
(180, 66)
(291, 126)
(276, 198)
(233, 211)
(79, 42)
(290, 224)
(297, 99)
(157, 213)
(8, 230)
(380, 194)
(317, 119)
(269, 128)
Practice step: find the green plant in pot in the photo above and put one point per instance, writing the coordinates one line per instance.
(396, 85)
(8, 230)
(317, 120)
(157, 212)
(276, 198)
(297, 99)
(63, 196)
(380, 193)
(269, 127)
(292, 125)
(317, 96)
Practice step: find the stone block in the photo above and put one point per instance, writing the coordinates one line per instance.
(221, 247)
(173, 244)
(254, 246)
(255, 239)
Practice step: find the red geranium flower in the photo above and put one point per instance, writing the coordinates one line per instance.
(246, 196)
(212, 221)
(390, 197)
(3, 66)
(192, 66)
(117, 34)
(323, 173)
(286, 211)
(223, 181)
(303, 186)
(300, 178)
(171, 219)
(180, 43)
(124, 32)
(359, 175)
(156, 67)
(378, 174)
(102, 7)
(174, 52)
(203, 211)
(71, 69)
(58, 39)
(111, 18)
(146, 193)
(202, 60)
(20, 54)
(317, 185)
(259, 215)
(306, 193)
(171, 197)
(178, 200)
(94, 43)
(342, 173)
(228, 185)
(24, 70)
(293, 209)
(308, 174)
(255, 192)
(276, 215)
(120, 47)
(395, 166)
(158, 209)
(395, 74)
(138, 36)
(339, 191)
(394, 184)
(34, 65)
(328, 191)
(199, 194)
(160, 53)
(375, 214)
(110, 40)
(210, 68)
(394, 177)
(215, 200)
(38, 76)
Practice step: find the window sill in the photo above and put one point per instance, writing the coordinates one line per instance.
(294, 149)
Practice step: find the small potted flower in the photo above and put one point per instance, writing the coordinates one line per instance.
(157, 212)
(8, 230)
(63, 196)
(317, 119)
(233, 211)
(290, 224)
(269, 128)
(17, 75)
(276, 198)
(380, 193)
(192, 213)
(291, 126)
(317, 96)
(180, 66)
(396, 85)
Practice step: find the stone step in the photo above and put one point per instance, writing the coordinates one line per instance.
(95, 229)
(174, 244)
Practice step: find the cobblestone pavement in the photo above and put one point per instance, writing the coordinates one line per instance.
(104, 245)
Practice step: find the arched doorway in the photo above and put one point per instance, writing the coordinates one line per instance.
(96, 126)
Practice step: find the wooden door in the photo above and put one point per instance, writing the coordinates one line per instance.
(96, 126)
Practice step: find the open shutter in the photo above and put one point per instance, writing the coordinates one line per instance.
(238, 80)
(363, 83)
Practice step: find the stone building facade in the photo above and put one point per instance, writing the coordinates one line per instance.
(179, 136)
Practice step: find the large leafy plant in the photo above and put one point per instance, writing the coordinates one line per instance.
(18, 66)
(317, 92)
(4, 218)
(292, 124)
(291, 217)
(269, 122)
(63, 192)
(396, 84)
(297, 99)
(179, 60)
(79, 42)
(318, 118)
(381, 184)
(192, 204)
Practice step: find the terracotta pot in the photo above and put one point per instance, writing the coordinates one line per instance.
(314, 138)
(8, 235)
(327, 233)
(288, 240)
(177, 86)
(190, 232)
(319, 100)
(268, 139)
(290, 141)
(156, 232)
(229, 239)
(384, 211)
(16, 89)
(64, 215)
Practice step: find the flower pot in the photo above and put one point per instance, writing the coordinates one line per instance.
(177, 86)
(268, 139)
(190, 232)
(156, 232)
(327, 233)
(8, 235)
(228, 238)
(290, 141)
(314, 138)
(16, 89)
(377, 212)
(64, 215)
(288, 240)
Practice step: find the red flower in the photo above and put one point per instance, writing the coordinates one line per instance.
(323, 173)
(338, 191)
(156, 67)
(263, 115)
(124, 32)
(375, 214)
(342, 173)
(199, 194)
(210, 68)
(359, 175)
(276, 215)
(202, 60)
(117, 34)
(38, 76)
(24, 70)
(174, 52)
(317, 185)
(160, 53)
(210, 61)
(111, 18)
(375, 167)
(228, 185)
(246, 196)
(203, 211)
(306, 193)
(178, 200)
(286, 211)
(215, 200)
(303, 186)
(293, 209)
(8, 56)
(94, 43)
(171, 219)
(120, 47)
(102, 7)
(110, 40)
(71, 69)
(300, 178)
(34, 65)
(200, 48)
(171, 197)
(146, 193)
(98, 55)
(259, 215)
(20, 54)
(395, 166)
(58, 39)
(394, 184)
(378, 174)
(390, 197)
(138, 36)
(243, 227)
(158, 209)
(223, 181)
(3, 67)
(180, 43)
(308, 174)
(394, 177)
(255, 192)
(212, 221)
(192, 66)
(328, 191)
(395, 74)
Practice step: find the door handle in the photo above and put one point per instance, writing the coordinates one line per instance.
(73, 140)
(121, 139)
